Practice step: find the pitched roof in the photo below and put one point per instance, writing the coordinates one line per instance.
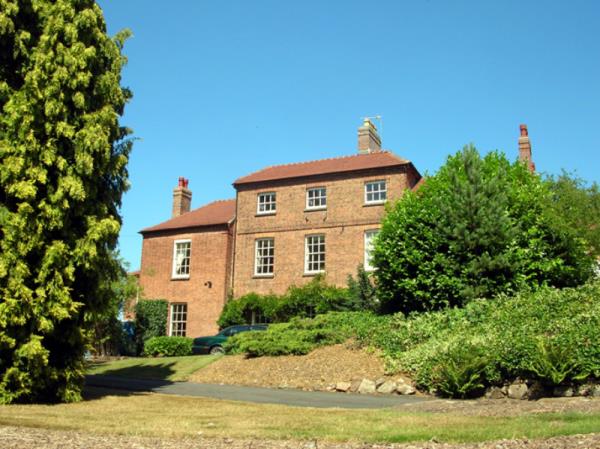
(355, 162)
(215, 213)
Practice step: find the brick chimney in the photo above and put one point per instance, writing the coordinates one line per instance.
(525, 149)
(368, 138)
(182, 198)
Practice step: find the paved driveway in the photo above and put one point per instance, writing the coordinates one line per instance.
(296, 398)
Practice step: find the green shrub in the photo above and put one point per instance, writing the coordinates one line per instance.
(480, 227)
(249, 309)
(550, 335)
(460, 372)
(168, 346)
(313, 298)
(150, 320)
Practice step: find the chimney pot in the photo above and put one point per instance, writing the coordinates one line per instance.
(525, 148)
(182, 198)
(368, 138)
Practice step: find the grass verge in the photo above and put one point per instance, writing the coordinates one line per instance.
(176, 416)
(162, 368)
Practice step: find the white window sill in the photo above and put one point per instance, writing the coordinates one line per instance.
(311, 209)
(263, 276)
(180, 278)
(313, 273)
(375, 203)
(260, 214)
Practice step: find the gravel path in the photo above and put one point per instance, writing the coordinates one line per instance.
(28, 438)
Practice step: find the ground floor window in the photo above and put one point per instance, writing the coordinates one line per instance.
(178, 320)
(314, 254)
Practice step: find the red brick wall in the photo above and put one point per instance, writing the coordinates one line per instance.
(343, 223)
(210, 254)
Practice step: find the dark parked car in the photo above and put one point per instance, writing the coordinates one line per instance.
(214, 344)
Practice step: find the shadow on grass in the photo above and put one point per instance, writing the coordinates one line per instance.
(128, 380)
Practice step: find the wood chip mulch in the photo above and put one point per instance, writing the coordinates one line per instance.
(30, 438)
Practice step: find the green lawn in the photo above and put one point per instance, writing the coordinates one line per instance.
(162, 368)
(159, 415)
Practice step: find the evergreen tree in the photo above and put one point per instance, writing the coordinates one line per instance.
(62, 173)
(478, 228)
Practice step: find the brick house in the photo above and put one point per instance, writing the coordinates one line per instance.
(287, 224)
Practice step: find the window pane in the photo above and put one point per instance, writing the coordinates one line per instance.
(181, 260)
(265, 256)
(315, 254)
(178, 320)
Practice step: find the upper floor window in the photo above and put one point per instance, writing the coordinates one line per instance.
(266, 203)
(375, 192)
(178, 320)
(181, 259)
(369, 245)
(265, 257)
(316, 198)
(314, 255)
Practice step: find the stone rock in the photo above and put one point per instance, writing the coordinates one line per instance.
(354, 385)
(343, 386)
(495, 393)
(595, 391)
(367, 387)
(517, 391)
(389, 386)
(583, 390)
(405, 389)
(379, 382)
(536, 390)
(400, 380)
(563, 391)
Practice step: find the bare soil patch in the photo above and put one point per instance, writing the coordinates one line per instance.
(315, 371)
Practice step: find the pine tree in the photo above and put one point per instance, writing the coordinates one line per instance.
(478, 228)
(62, 173)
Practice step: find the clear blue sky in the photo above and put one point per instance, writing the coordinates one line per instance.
(223, 88)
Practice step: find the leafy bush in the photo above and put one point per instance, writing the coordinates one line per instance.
(243, 309)
(150, 320)
(305, 301)
(550, 335)
(478, 228)
(168, 346)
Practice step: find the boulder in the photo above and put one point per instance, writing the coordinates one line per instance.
(367, 387)
(379, 382)
(536, 390)
(343, 386)
(517, 391)
(405, 389)
(495, 393)
(389, 386)
(595, 391)
(354, 385)
(563, 391)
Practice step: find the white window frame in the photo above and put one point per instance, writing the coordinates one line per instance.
(174, 273)
(178, 317)
(268, 201)
(379, 192)
(319, 196)
(262, 266)
(309, 255)
(370, 234)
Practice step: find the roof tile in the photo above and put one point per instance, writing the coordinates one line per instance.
(215, 213)
(324, 166)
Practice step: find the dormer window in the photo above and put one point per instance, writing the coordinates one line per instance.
(316, 198)
(375, 192)
(266, 204)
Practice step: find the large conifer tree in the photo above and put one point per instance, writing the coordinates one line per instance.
(63, 159)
